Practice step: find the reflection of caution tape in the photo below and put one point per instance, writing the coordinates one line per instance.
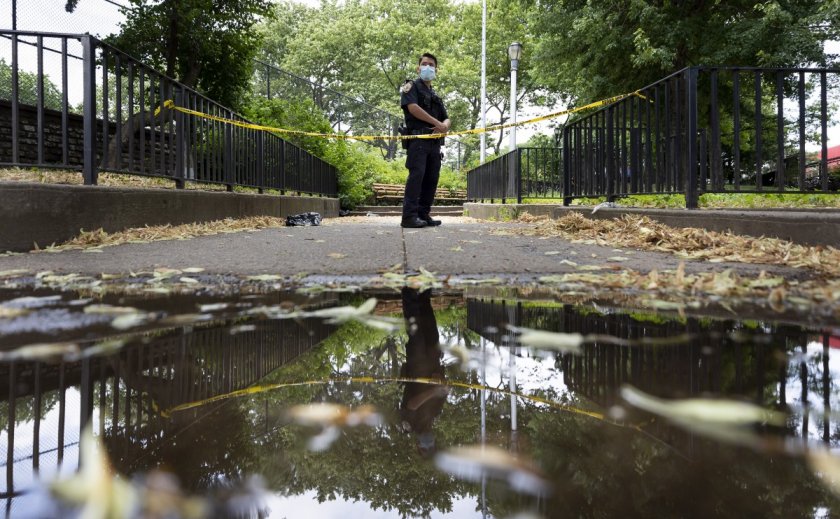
(254, 390)
(340, 136)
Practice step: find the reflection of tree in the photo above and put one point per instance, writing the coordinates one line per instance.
(606, 471)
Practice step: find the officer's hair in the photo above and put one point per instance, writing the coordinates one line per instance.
(427, 55)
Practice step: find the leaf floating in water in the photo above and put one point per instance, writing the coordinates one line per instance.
(212, 307)
(103, 348)
(703, 412)
(563, 342)
(41, 352)
(33, 302)
(331, 418)
(827, 468)
(124, 322)
(12, 273)
(339, 314)
(96, 488)
(11, 313)
(265, 277)
(472, 463)
(110, 310)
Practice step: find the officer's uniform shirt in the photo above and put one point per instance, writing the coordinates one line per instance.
(426, 98)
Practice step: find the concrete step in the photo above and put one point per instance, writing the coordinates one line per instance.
(397, 211)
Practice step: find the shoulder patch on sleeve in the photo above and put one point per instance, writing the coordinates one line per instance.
(406, 88)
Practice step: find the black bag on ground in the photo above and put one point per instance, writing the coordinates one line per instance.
(303, 219)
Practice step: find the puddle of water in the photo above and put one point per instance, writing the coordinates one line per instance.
(452, 417)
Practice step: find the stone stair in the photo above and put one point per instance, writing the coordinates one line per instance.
(396, 210)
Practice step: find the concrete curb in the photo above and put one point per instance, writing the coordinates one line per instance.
(44, 214)
(807, 227)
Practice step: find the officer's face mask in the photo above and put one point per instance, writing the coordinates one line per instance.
(427, 73)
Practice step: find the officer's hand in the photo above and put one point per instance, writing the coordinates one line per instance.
(440, 128)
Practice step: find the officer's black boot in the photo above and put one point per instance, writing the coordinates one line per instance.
(429, 221)
(413, 222)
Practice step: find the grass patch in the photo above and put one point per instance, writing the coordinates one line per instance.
(709, 201)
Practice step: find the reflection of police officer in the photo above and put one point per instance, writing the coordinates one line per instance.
(421, 403)
(424, 114)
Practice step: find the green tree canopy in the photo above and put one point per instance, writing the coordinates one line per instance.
(590, 50)
(205, 44)
(367, 48)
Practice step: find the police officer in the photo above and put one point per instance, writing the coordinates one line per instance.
(424, 114)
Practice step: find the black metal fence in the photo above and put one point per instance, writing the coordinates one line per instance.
(700, 130)
(107, 114)
(521, 173)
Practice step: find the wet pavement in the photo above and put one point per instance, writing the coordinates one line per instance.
(434, 404)
(367, 246)
(295, 372)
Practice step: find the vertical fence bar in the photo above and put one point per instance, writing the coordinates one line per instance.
(180, 139)
(801, 93)
(106, 127)
(716, 154)
(824, 131)
(736, 129)
(517, 157)
(15, 102)
(36, 422)
(691, 197)
(759, 182)
(227, 158)
(143, 122)
(65, 106)
(679, 115)
(118, 111)
(39, 86)
(610, 154)
(89, 166)
(780, 132)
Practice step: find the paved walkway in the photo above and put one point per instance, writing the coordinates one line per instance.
(365, 246)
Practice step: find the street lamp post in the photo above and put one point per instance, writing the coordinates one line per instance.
(514, 53)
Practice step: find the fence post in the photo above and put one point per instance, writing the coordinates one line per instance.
(15, 100)
(229, 173)
(691, 196)
(518, 165)
(567, 177)
(608, 155)
(89, 166)
(261, 160)
(180, 147)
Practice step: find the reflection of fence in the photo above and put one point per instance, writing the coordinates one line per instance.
(749, 364)
(124, 127)
(123, 393)
(701, 130)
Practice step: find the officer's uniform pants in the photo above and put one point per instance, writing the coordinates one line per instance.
(423, 165)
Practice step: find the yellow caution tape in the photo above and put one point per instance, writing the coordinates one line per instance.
(340, 136)
(253, 390)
